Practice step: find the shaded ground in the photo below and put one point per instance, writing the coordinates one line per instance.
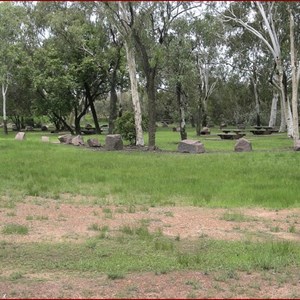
(70, 220)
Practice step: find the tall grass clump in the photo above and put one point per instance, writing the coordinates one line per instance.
(15, 229)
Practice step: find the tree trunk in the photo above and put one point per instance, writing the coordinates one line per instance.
(135, 95)
(113, 109)
(66, 125)
(257, 102)
(92, 106)
(295, 81)
(180, 102)
(4, 91)
(95, 118)
(151, 93)
(199, 117)
(273, 114)
(285, 102)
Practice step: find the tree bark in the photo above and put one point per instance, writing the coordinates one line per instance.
(199, 118)
(91, 104)
(273, 114)
(95, 118)
(135, 95)
(181, 106)
(151, 93)
(257, 101)
(285, 101)
(113, 109)
(295, 80)
(63, 122)
(4, 92)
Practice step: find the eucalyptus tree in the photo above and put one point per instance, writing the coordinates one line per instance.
(120, 19)
(247, 57)
(148, 26)
(11, 22)
(263, 20)
(295, 66)
(207, 33)
(178, 68)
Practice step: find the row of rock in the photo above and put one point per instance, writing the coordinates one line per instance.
(192, 146)
(112, 141)
(115, 142)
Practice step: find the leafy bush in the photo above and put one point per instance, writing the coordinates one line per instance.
(126, 127)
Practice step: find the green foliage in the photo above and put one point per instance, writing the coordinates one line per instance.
(125, 126)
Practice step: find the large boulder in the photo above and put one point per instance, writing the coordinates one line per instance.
(113, 142)
(93, 143)
(190, 146)
(65, 139)
(20, 136)
(242, 145)
(77, 140)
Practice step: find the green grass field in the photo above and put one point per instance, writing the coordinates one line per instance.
(268, 177)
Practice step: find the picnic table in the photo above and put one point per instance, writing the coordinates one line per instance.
(231, 136)
(263, 130)
(88, 130)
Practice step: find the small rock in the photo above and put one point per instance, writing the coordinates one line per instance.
(45, 139)
(113, 142)
(190, 146)
(93, 143)
(20, 136)
(65, 139)
(242, 145)
(77, 140)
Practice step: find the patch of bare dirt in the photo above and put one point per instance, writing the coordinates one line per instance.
(52, 220)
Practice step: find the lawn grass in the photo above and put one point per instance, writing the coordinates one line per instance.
(219, 178)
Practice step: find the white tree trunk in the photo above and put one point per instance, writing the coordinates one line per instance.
(283, 126)
(134, 95)
(126, 33)
(4, 91)
(290, 121)
(295, 81)
(273, 114)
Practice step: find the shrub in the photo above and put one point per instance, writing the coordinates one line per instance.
(126, 127)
